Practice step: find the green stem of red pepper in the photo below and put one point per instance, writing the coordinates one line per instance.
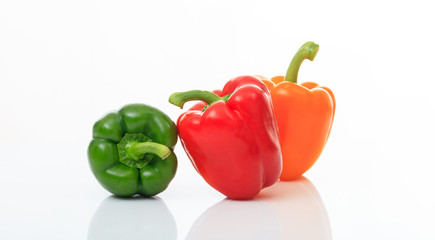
(307, 51)
(180, 98)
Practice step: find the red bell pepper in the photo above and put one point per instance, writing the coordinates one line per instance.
(232, 141)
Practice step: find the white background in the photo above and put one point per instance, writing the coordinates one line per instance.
(64, 64)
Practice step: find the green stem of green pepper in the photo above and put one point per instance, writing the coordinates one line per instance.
(137, 149)
(307, 51)
(180, 98)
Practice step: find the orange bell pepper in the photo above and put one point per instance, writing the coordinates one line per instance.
(304, 112)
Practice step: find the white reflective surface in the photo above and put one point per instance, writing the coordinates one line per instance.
(121, 218)
(60, 199)
(287, 210)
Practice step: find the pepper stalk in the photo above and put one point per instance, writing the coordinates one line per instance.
(307, 51)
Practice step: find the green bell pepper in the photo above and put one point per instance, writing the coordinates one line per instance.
(131, 151)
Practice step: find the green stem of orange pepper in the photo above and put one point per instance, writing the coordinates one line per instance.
(307, 51)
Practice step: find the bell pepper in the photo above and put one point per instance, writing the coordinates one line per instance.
(131, 151)
(304, 112)
(233, 141)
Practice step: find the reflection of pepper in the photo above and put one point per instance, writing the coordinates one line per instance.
(135, 218)
(304, 113)
(233, 143)
(127, 151)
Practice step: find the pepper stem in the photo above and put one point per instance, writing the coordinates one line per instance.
(180, 98)
(137, 149)
(307, 51)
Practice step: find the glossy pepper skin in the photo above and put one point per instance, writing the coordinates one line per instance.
(304, 112)
(233, 144)
(131, 151)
